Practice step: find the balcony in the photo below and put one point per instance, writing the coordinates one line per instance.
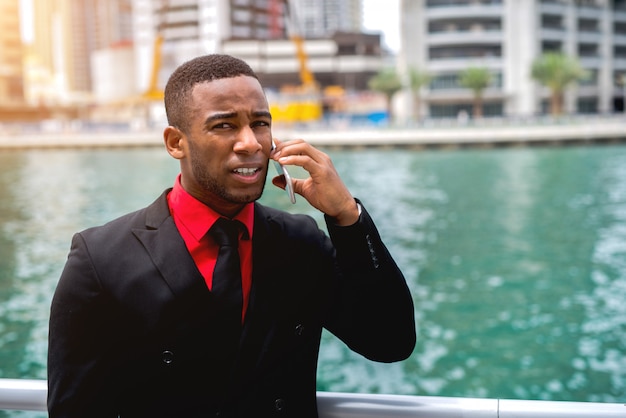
(619, 39)
(181, 32)
(466, 37)
(553, 34)
(465, 11)
(553, 8)
(619, 63)
(590, 61)
(590, 37)
(457, 64)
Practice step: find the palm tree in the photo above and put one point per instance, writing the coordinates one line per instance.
(556, 71)
(477, 79)
(417, 80)
(388, 82)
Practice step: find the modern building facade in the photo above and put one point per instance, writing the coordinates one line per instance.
(11, 54)
(443, 37)
(189, 28)
(322, 18)
(80, 48)
(258, 31)
(66, 33)
(346, 59)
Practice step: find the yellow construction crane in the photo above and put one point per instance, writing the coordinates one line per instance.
(293, 28)
(303, 103)
(154, 92)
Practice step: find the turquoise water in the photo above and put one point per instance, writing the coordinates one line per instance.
(516, 259)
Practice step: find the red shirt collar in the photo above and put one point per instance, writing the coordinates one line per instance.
(197, 217)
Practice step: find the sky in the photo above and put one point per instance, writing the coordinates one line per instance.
(383, 16)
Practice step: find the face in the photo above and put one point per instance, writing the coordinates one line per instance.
(224, 156)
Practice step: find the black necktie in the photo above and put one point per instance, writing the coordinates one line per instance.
(227, 274)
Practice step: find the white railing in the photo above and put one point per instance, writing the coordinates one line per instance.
(30, 395)
(23, 394)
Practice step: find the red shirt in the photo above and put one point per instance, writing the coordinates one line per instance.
(193, 220)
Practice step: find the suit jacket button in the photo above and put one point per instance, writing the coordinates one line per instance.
(167, 357)
(279, 405)
(299, 329)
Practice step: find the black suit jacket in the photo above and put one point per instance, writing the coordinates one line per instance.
(134, 331)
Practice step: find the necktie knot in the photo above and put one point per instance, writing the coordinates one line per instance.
(225, 232)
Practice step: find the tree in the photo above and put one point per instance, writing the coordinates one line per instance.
(417, 80)
(557, 71)
(388, 82)
(476, 79)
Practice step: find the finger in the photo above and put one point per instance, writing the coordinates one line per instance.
(299, 147)
(303, 155)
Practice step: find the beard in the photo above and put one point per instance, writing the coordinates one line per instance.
(211, 184)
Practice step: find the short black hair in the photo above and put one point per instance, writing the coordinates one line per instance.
(198, 70)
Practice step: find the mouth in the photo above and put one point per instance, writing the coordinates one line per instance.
(246, 171)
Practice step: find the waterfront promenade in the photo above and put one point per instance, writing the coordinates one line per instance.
(484, 134)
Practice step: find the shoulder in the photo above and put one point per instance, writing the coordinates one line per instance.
(279, 225)
(267, 215)
(149, 217)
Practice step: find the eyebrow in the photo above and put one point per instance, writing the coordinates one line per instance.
(229, 115)
(263, 114)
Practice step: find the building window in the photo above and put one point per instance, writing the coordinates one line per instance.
(587, 105)
(456, 3)
(553, 22)
(460, 25)
(347, 49)
(451, 81)
(242, 15)
(619, 28)
(469, 51)
(551, 46)
(592, 78)
(619, 52)
(445, 82)
(492, 109)
(588, 25)
(588, 50)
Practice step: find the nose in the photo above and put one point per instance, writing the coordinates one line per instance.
(247, 141)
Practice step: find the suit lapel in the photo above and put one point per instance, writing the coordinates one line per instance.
(167, 249)
(169, 254)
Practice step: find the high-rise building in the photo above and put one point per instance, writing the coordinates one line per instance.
(443, 37)
(11, 54)
(75, 42)
(322, 18)
(189, 28)
(193, 27)
(67, 32)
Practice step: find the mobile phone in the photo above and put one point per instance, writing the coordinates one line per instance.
(288, 182)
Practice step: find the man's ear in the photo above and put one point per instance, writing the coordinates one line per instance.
(174, 142)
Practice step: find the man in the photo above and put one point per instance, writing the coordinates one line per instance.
(138, 327)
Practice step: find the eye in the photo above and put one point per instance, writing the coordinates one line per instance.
(261, 124)
(222, 125)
